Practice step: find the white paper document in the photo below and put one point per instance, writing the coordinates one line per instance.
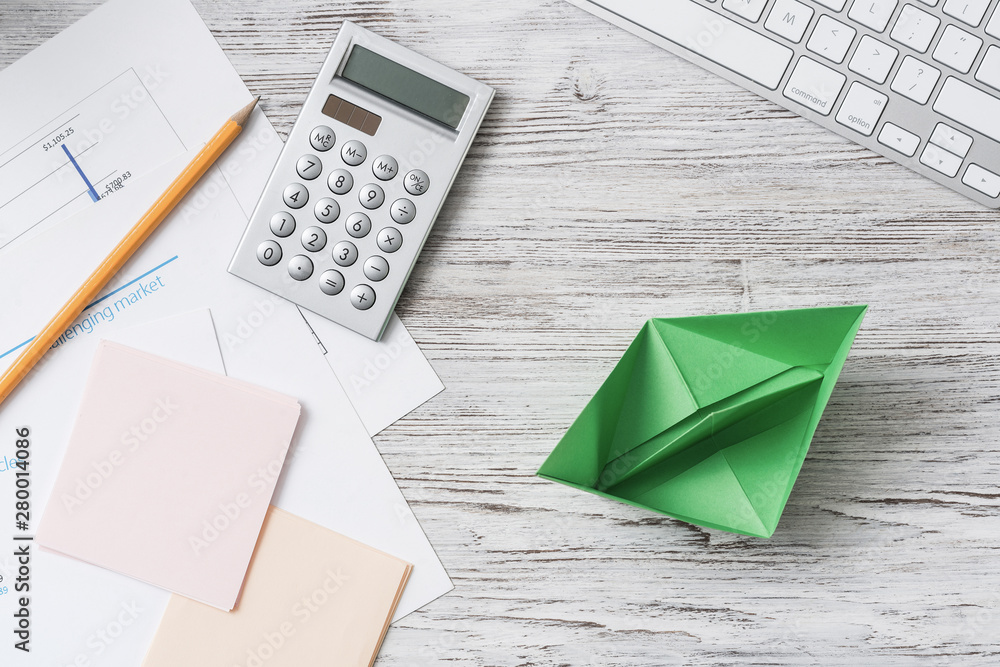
(333, 476)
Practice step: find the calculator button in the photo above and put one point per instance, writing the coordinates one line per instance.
(403, 211)
(331, 282)
(390, 239)
(363, 297)
(327, 210)
(322, 138)
(354, 153)
(376, 268)
(416, 182)
(269, 253)
(345, 253)
(314, 239)
(295, 195)
(340, 182)
(358, 225)
(282, 224)
(385, 167)
(300, 267)
(308, 167)
(371, 196)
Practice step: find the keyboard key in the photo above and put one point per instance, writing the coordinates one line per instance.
(308, 167)
(989, 70)
(835, 5)
(402, 211)
(331, 282)
(831, 39)
(862, 108)
(970, 107)
(915, 80)
(389, 240)
(915, 28)
(814, 86)
(363, 297)
(873, 59)
(874, 14)
(327, 210)
(748, 9)
(899, 139)
(376, 268)
(295, 195)
(345, 253)
(993, 27)
(269, 253)
(967, 11)
(314, 239)
(300, 267)
(743, 50)
(983, 180)
(354, 153)
(322, 138)
(930, 3)
(940, 160)
(789, 18)
(957, 49)
(282, 224)
(951, 140)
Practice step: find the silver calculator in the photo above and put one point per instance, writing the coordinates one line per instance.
(360, 181)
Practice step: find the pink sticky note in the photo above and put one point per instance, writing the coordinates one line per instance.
(168, 474)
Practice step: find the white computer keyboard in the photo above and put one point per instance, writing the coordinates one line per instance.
(918, 82)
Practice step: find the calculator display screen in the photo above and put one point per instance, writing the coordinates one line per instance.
(404, 86)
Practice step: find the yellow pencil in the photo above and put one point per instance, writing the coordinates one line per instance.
(113, 263)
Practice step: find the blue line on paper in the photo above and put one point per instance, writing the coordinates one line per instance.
(103, 298)
(93, 192)
(127, 285)
(15, 349)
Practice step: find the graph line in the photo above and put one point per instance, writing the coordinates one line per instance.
(93, 192)
(103, 298)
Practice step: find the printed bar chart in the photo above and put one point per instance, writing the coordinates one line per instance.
(85, 154)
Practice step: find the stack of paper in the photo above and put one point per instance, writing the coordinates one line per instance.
(168, 474)
(312, 597)
(177, 96)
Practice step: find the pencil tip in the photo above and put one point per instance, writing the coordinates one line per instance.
(241, 116)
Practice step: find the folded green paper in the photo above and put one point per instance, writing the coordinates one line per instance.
(708, 419)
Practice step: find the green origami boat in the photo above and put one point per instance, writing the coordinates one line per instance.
(708, 419)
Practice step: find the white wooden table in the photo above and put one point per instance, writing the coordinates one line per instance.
(613, 182)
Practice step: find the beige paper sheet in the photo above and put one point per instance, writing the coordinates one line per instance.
(311, 597)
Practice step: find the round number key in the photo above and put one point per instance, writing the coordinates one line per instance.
(308, 167)
(403, 211)
(322, 138)
(385, 167)
(376, 268)
(363, 297)
(327, 210)
(358, 225)
(354, 153)
(331, 282)
(340, 182)
(282, 224)
(416, 182)
(390, 239)
(295, 195)
(314, 239)
(269, 253)
(300, 267)
(345, 253)
(371, 196)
